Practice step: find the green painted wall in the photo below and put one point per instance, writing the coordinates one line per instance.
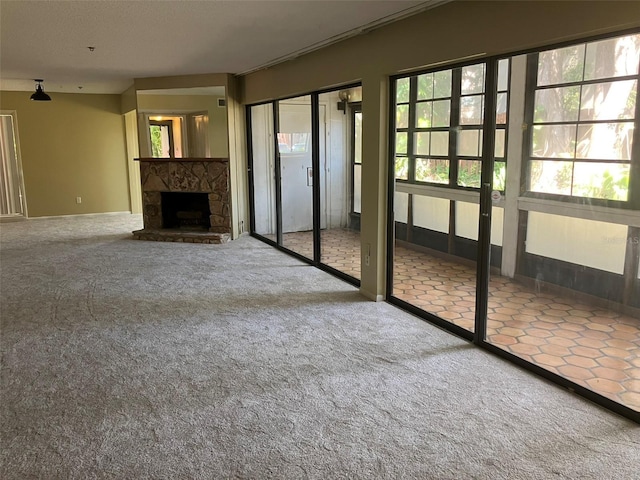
(73, 146)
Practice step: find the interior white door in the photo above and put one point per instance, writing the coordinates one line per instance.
(12, 201)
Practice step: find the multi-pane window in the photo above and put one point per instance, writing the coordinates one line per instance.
(403, 88)
(439, 118)
(357, 160)
(472, 90)
(431, 127)
(583, 112)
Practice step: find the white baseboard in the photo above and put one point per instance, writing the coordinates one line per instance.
(53, 217)
(372, 296)
(12, 218)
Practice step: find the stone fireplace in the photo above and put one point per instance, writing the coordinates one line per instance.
(185, 200)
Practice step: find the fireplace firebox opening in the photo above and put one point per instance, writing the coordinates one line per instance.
(186, 211)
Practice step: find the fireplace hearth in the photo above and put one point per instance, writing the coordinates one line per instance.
(185, 200)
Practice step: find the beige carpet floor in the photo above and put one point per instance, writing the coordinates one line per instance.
(126, 359)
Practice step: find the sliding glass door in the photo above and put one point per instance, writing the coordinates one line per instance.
(340, 163)
(515, 199)
(440, 130)
(566, 299)
(305, 174)
(295, 143)
(261, 139)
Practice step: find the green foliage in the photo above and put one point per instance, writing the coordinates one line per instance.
(401, 142)
(402, 90)
(435, 171)
(499, 176)
(402, 167)
(469, 173)
(156, 141)
(402, 116)
(631, 102)
(425, 86)
(611, 185)
(563, 177)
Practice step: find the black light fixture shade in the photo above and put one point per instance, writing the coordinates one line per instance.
(40, 96)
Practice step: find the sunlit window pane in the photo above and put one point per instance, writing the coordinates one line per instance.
(402, 116)
(358, 138)
(472, 79)
(601, 180)
(402, 90)
(440, 143)
(431, 170)
(503, 75)
(605, 141)
(423, 114)
(469, 172)
(557, 104)
(501, 109)
(357, 188)
(471, 111)
(499, 175)
(401, 142)
(562, 65)
(551, 177)
(441, 113)
(608, 101)
(442, 84)
(554, 141)
(421, 143)
(402, 168)
(470, 143)
(614, 57)
(425, 86)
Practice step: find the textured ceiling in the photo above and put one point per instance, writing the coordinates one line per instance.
(146, 38)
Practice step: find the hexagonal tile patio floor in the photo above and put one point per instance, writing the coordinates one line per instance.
(340, 248)
(591, 346)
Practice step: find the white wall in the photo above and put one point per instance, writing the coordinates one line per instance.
(583, 242)
(467, 218)
(400, 205)
(431, 213)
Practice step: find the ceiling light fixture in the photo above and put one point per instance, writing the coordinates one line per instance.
(40, 96)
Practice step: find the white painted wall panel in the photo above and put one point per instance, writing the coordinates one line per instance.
(583, 242)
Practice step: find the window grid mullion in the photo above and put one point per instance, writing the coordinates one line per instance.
(454, 125)
(634, 168)
(594, 81)
(411, 144)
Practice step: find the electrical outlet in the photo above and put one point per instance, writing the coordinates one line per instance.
(78, 199)
(367, 255)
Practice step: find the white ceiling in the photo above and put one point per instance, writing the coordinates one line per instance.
(149, 38)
